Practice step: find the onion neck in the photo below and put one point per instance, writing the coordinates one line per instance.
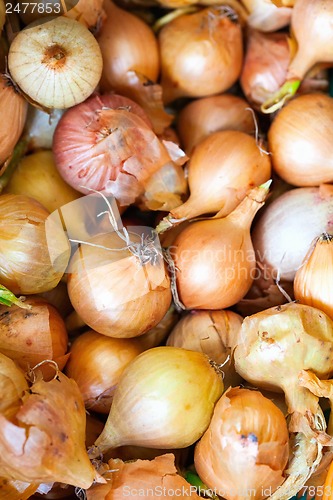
(188, 210)
(107, 440)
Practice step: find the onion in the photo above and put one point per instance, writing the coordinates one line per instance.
(125, 41)
(266, 16)
(204, 116)
(223, 167)
(39, 127)
(120, 291)
(157, 335)
(299, 139)
(311, 26)
(32, 450)
(244, 451)
(51, 62)
(88, 12)
(107, 144)
(96, 364)
(31, 336)
(154, 477)
(37, 176)
(274, 346)
(157, 387)
(33, 255)
(201, 53)
(13, 386)
(280, 238)
(214, 259)
(13, 112)
(212, 332)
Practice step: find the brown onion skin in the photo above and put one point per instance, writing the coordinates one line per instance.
(300, 141)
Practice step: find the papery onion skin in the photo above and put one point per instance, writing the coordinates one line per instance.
(39, 127)
(171, 392)
(245, 449)
(300, 141)
(113, 292)
(266, 16)
(26, 248)
(201, 54)
(96, 364)
(12, 385)
(13, 113)
(212, 332)
(280, 238)
(210, 114)
(16, 490)
(59, 74)
(31, 336)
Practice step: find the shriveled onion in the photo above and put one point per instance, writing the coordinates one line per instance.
(37, 176)
(32, 260)
(12, 385)
(212, 332)
(13, 112)
(201, 53)
(118, 290)
(214, 259)
(31, 336)
(51, 62)
(157, 387)
(245, 449)
(210, 114)
(96, 364)
(266, 16)
(39, 127)
(300, 141)
(32, 450)
(274, 346)
(139, 476)
(125, 41)
(107, 144)
(280, 237)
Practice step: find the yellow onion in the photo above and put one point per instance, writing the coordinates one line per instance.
(134, 478)
(223, 167)
(13, 386)
(96, 364)
(265, 15)
(312, 283)
(39, 127)
(212, 332)
(13, 112)
(51, 62)
(37, 176)
(245, 449)
(125, 41)
(16, 490)
(300, 142)
(31, 336)
(119, 290)
(274, 346)
(201, 53)
(32, 450)
(2, 14)
(164, 399)
(157, 335)
(204, 116)
(32, 258)
(214, 259)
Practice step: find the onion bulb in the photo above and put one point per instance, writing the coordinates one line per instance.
(266, 16)
(281, 239)
(2, 14)
(37, 176)
(300, 141)
(274, 346)
(33, 254)
(119, 290)
(125, 41)
(158, 387)
(223, 167)
(52, 62)
(107, 144)
(201, 53)
(212, 332)
(311, 26)
(151, 476)
(31, 336)
(245, 449)
(312, 284)
(13, 113)
(96, 364)
(214, 259)
(202, 117)
(32, 450)
(13, 386)
(39, 127)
